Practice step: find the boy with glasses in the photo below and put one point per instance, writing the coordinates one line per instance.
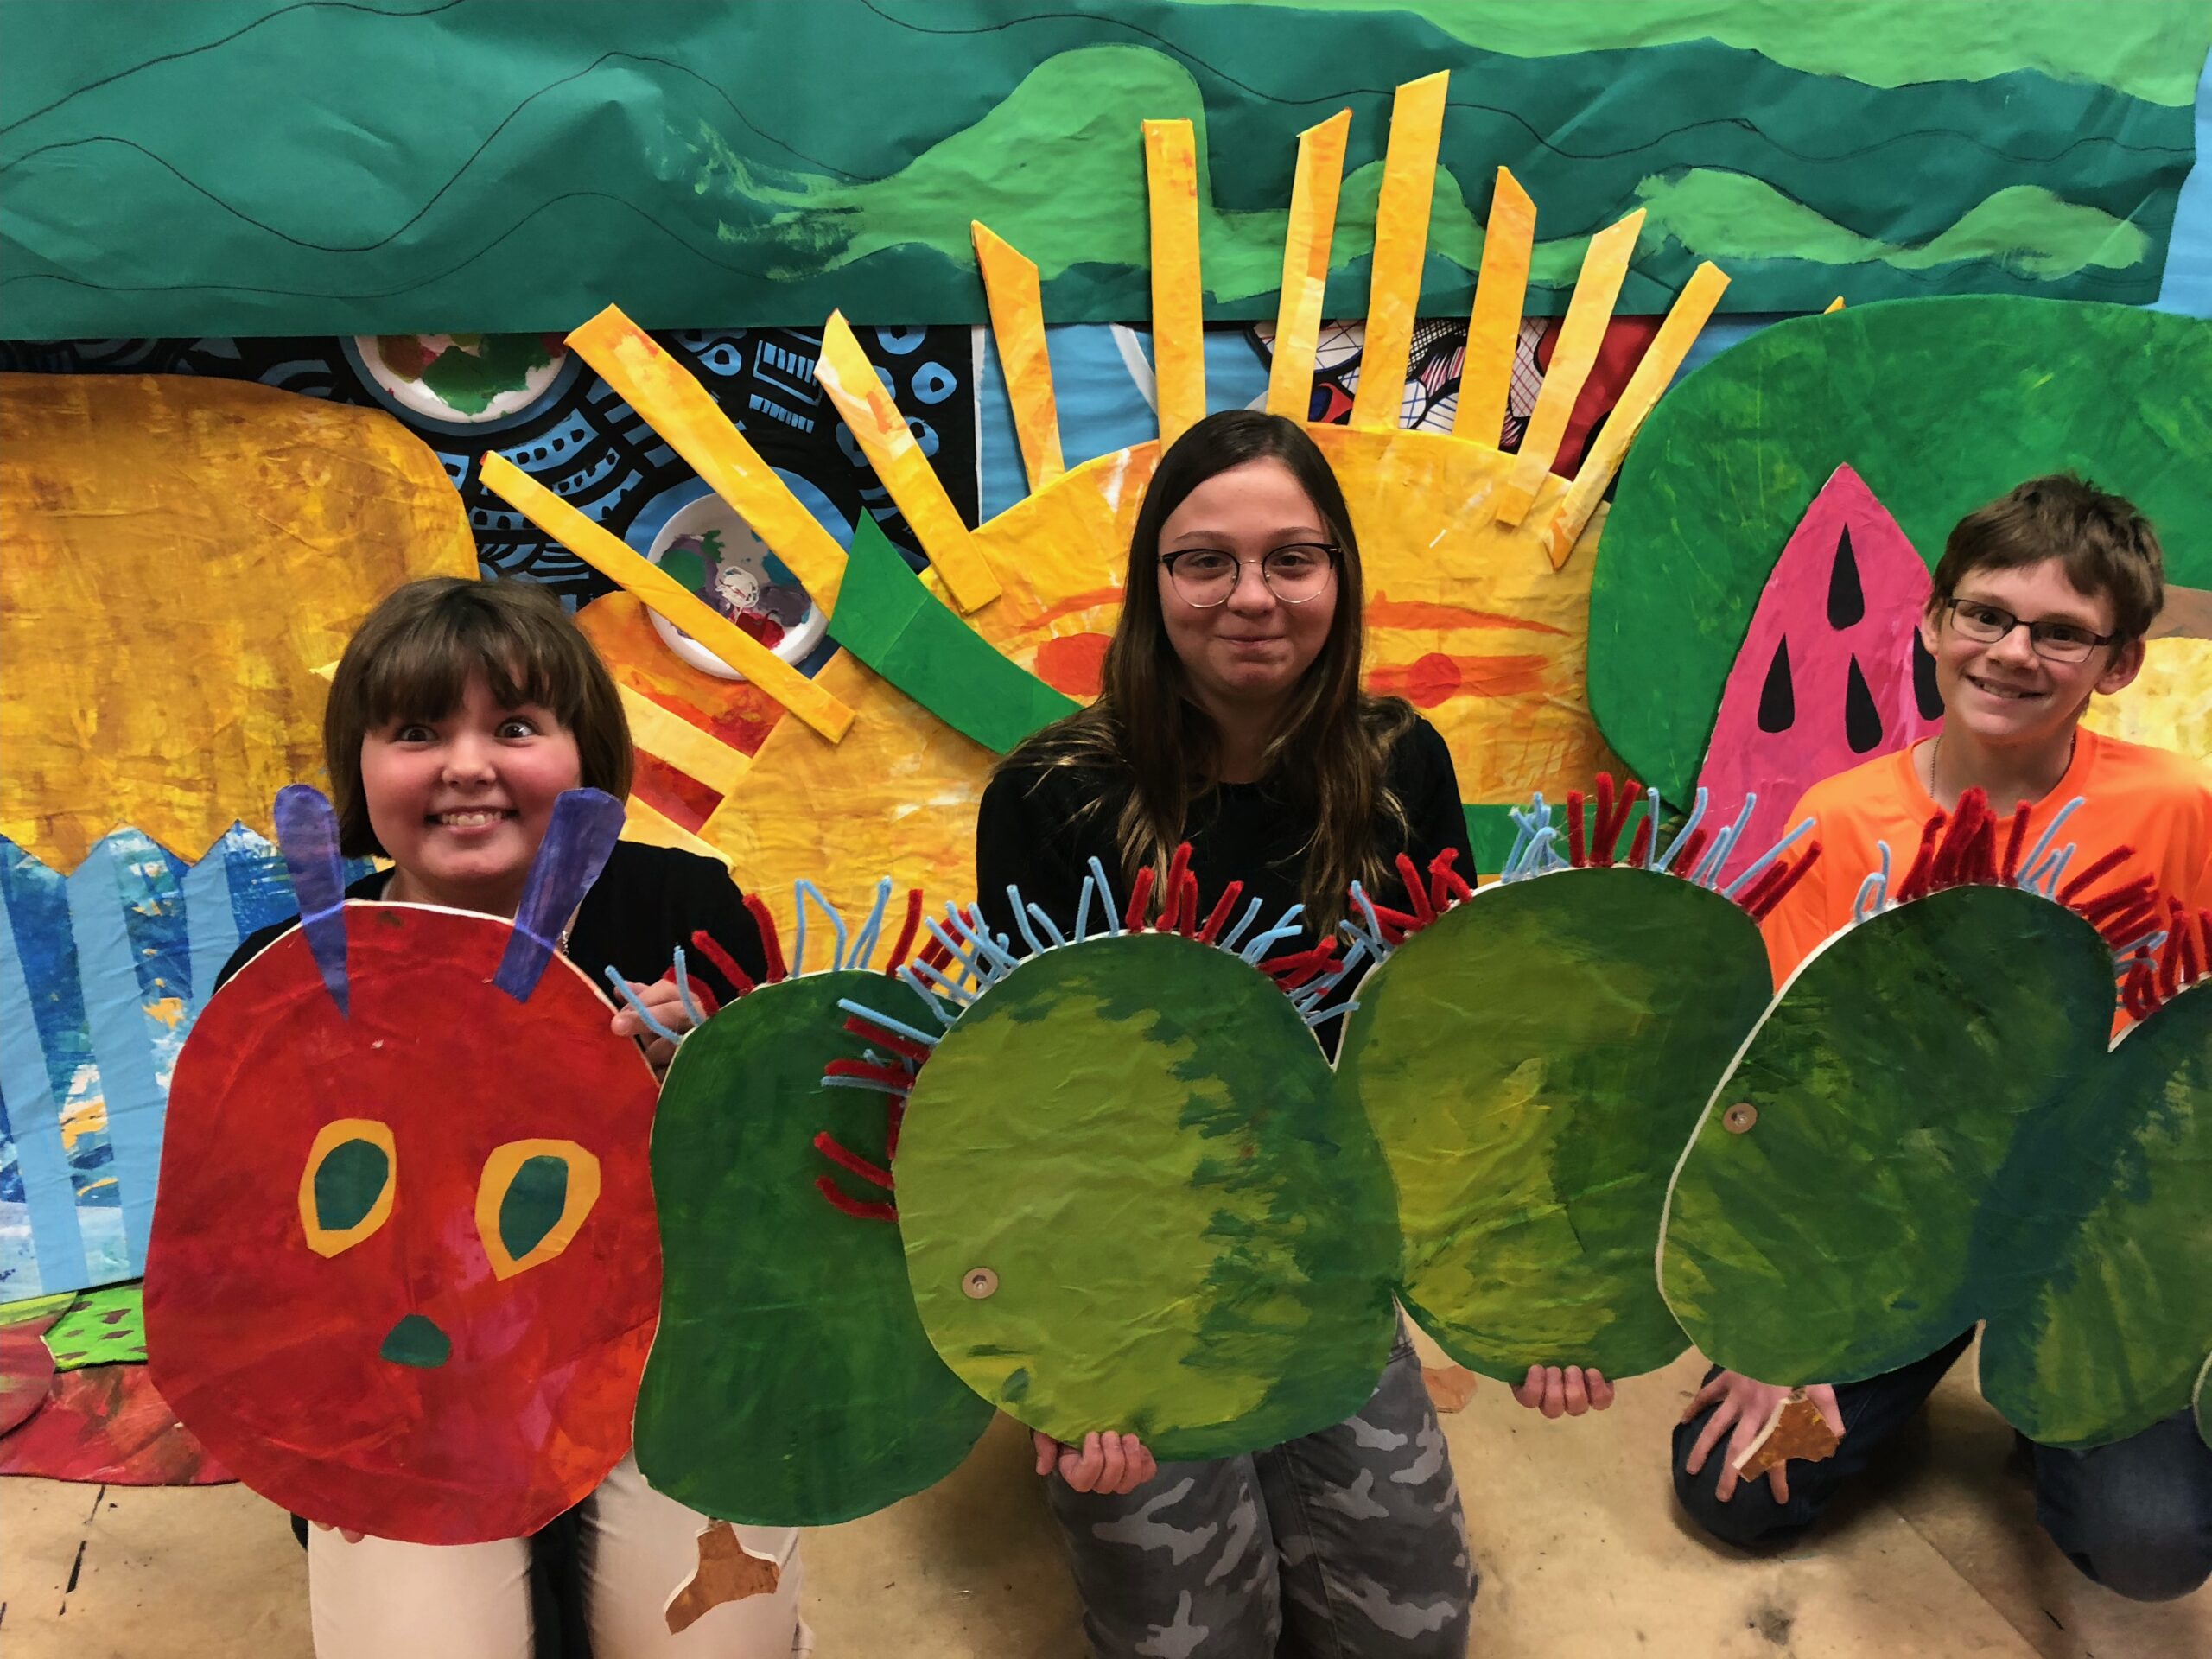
(2042, 598)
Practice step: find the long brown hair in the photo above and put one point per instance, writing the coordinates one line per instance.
(1146, 730)
(412, 660)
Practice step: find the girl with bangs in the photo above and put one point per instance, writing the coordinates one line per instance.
(1231, 717)
(459, 714)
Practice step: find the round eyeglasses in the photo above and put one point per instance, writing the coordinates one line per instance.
(1205, 576)
(2054, 638)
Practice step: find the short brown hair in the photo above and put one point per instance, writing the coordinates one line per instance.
(2105, 543)
(413, 659)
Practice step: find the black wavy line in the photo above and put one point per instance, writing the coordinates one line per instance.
(1521, 121)
(452, 179)
(756, 273)
(193, 51)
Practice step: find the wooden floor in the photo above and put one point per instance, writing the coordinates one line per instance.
(1581, 1550)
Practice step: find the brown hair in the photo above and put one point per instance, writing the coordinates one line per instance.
(413, 660)
(2105, 545)
(1146, 727)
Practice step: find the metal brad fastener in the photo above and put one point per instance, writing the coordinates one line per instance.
(979, 1283)
(1739, 1117)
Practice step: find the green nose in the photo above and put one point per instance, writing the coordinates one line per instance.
(415, 1341)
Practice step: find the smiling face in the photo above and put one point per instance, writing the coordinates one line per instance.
(1253, 649)
(2003, 692)
(461, 803)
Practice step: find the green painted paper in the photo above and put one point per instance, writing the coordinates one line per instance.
(1192, 1240)
(510, 166)
(104, 1328)
(532, 1203)
(2202, 1401)
(1532, 1063)
(2111, 1341)
(888, 619)
(36, 1308)
(1917, 1153)
(415, 1341)
(348, 1182)
(791, 1382)
(1940, 405)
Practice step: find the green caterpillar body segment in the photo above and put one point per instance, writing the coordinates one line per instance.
(791, 1383)
(2111, 1340)
(1131, 1200)
(1532, 1062)
(1889, 1158)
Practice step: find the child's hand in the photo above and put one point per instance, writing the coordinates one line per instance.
(665, 1003)
(346, 1532)
(1108, 1464)
(1742, 1407)
(1568, 1391)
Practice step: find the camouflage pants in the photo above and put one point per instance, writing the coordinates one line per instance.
(1347, 1544)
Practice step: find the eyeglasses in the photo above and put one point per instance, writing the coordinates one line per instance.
(2055, 640)
(1205, 576)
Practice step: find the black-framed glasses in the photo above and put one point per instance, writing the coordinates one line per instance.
(2054, 638)
(1205, 576)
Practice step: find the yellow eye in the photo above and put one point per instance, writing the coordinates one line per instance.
(346, 1189)
(532, 1199)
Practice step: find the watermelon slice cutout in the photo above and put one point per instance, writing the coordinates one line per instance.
(1832, 672)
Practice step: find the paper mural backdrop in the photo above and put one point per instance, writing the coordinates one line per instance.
(1936, 407)
(680, 162)
(404, 1272)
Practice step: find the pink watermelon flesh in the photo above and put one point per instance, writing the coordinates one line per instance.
(1832, 672)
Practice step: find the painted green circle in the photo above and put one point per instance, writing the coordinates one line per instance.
(1914, 1158)
(1191, 1239)
(791, 1383)
(1532, 1063)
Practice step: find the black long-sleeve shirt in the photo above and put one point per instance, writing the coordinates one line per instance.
(1039, 826)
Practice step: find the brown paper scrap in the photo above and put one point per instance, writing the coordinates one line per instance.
(727, 1572)
(1449, 1386)
(1797, 1432)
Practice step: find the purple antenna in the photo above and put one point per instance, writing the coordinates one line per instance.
(307, 834)
(585, 826)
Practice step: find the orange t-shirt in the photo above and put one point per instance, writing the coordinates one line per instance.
(2155, 801)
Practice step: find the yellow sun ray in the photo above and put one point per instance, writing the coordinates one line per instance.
(1654, 374)
(685, 415)
(1178, 344)
(881, 431)
(1401, 243)
(1017, 330)
(690, 749)
(1604, 265)
(644, 822)
(1494, 326)
(608, 553)
(1314, 192)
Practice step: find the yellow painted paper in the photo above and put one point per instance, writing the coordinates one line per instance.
(643, 822)
(881, 431)
(177, 557)
(1306, 247)
(899, 796)
(1686, 318)
(668, 736)
(1179, 346)
(1494, 326)
(1018, 329)
(1604, 264)
(613, 558)
(1401, 241)
(2169, 705)
(684, 414)
(1833, 305)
